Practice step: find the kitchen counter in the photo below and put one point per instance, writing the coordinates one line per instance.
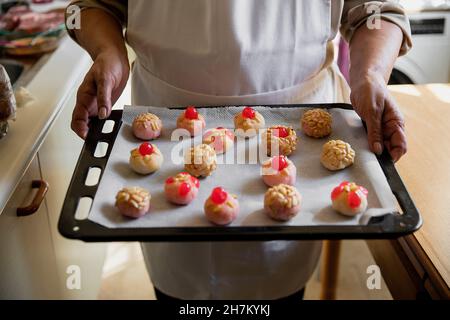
(51, 86)
(419, 264)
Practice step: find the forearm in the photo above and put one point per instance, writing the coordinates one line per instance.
(100, 32)
(373, 52)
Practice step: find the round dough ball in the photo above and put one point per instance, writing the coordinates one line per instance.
(316, 123)
(147, 126)
(282, 202)
(349, 199)
(181, 189)
(133, 202)
(280, 138)
(248, 122)
(146, 159)
(200, 161)
(221, 208)
(337, 155)
(221, 139)
(191, 121)
(279, 170)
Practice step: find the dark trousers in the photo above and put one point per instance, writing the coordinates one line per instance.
(297, 296)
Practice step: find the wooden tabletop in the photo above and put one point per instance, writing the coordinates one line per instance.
(425, 169)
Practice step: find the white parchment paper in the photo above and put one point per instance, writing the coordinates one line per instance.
(314, 182)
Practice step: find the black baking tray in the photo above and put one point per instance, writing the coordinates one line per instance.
(387, 226)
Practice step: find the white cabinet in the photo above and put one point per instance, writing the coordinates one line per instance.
(34, 258)
(59, 154)
(27, 258)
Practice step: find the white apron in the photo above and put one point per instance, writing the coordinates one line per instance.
(219, 52)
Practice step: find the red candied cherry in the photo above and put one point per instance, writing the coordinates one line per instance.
(281, 132)
(220, 128)
(170, 180)
(248, 113)
(191, 113)
(337, 191)
(279, 163)
(343, 184)
(146, 149)
(219, 195)
(353, 200)
(195, 181)
(184, 189)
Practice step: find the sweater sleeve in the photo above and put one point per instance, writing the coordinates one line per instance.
(116, 8)
(357, 12)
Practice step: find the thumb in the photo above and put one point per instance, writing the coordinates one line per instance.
(104, 88)
(84, 107)
(374, 129)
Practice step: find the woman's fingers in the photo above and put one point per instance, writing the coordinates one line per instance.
(85, 106)
(394, 133)
(374, 131)
(369, 104)
(100, 89)
(397, 144)
(104, 84)
(80, 121)
(373, 116)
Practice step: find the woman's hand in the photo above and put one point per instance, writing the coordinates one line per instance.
(372, 56)
(385, 125)
(102, 86)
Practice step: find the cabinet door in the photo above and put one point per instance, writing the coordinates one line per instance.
(58, 157)
(27, 258)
